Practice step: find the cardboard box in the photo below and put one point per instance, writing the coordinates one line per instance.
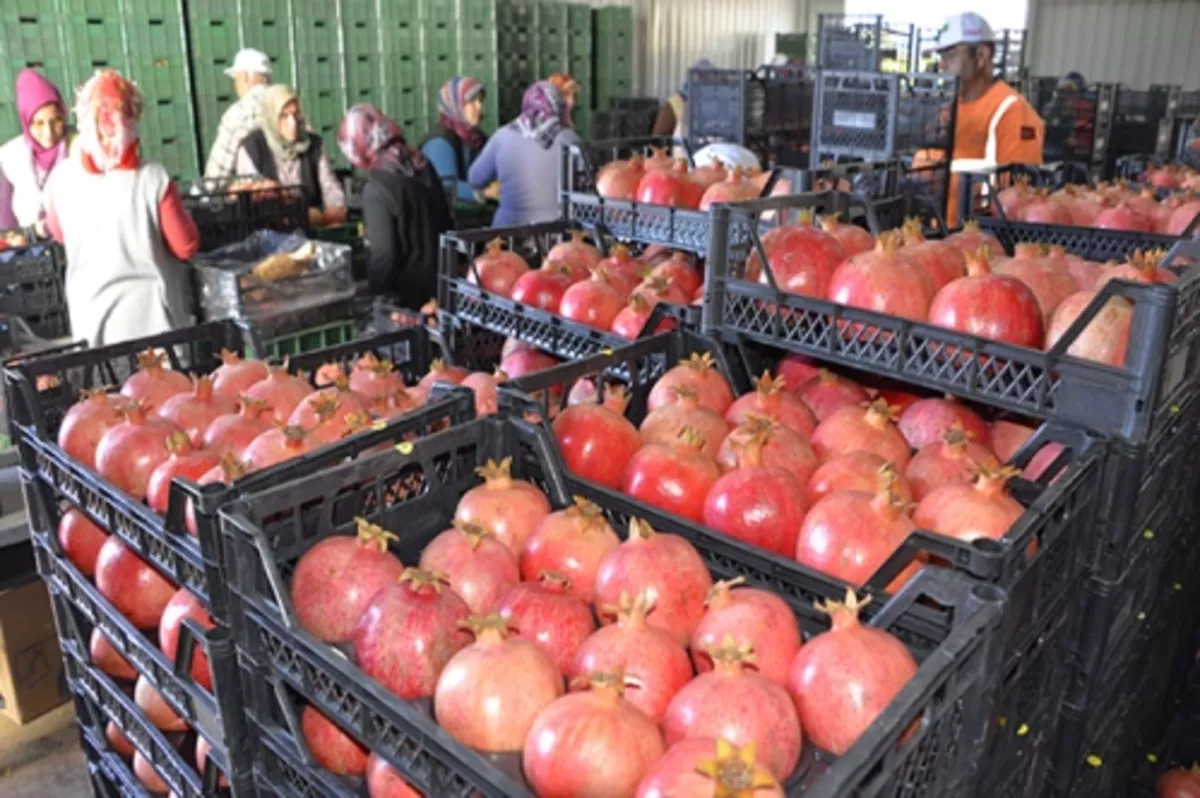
(31, 677)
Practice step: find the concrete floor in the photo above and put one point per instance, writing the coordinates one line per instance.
(49, 765)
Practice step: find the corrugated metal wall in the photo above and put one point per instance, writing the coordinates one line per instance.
(1134, 42)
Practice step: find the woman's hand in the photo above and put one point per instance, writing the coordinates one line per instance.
(335, 216)
(492, 192)
(316, 217)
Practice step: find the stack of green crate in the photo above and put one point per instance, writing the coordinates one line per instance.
(613, 49)
(320, 72)
(29, 38)
(266, 25)
(439, 33)
(214, 41)
(402, 93)
(364, 51)
(580, 51)
(517, 62)
(477, 54)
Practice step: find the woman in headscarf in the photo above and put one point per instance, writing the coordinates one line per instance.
(672, 114)
(457, 141)
(121, 220)
(568, 87)
(284, 150)
(28, 159)
(524, 156)
(404, 207)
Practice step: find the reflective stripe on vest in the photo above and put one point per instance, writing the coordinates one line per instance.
(989, 152)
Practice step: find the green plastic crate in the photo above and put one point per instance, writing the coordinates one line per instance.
(403, 70)
(29, 35)
(475, 13)
(439, 38)
(401, 36)
(364, 76)
(406, 103)
(153, 28)
(266, 26)
(517, 13)
(439, 68)
(92, 43)
(581, 118)
(478, 41)
(552, 19)
(579, 17)
(310, 340)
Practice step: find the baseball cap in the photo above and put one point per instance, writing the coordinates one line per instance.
(250, 60)
(968, 28)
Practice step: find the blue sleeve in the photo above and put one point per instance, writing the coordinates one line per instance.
(483, 172)
(441, 155)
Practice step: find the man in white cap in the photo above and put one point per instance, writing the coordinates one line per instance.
(995, 125)
(251, 73)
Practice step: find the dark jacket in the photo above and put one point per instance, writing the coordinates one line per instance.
(263, 159)
(405, 218)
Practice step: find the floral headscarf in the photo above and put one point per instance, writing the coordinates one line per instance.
(453, 97)
(33, 92)
(371, 140)
(543, 113)
(274, 100)
(107, 109)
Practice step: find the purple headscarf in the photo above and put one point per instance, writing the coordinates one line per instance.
(543, 113)
(33, 91)
(455, 94)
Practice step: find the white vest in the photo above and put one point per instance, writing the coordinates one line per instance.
(17, 164)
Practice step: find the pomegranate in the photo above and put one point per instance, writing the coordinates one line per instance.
(490, 692)
(680, 271)
(1179, 783)
(858, 470)
(235, 376)
(851, 534)
(497, 269)
(130, 451)
(336, 579)
(672, 476)
(667, 423)
(331, 747)
(897, 399)
(543, 288)
(966, 510)
(481, 568)
(1182, 217)
(757, 504)
(597, 441)
(1050, 283)
(843, 680)
(885, 280)
(148, 776)
(801, 258)
(594, 302)
(571, 542)
(509, 508)
(828, 392)
(408, 632)
(576, 254)
(666, 568)
(119, 742)
(733, 188)
(771, 400)
(953, 459)
(203, 747)
(659, 159)
(384, 781)
(228, 470)
(1104, 339)
(756, 616)
(107, 658)
(153, 383)
(156, 708)
(707, 768)
(233, 432)
(796, 369)
(619, 180)
(634, 317)
(592, 742)
(781, 446)
(670, 187)
(276, 446)
(710, 174)
(1013, 199)
(740, 705)
(940, 261)
(85, 423)
(329, 406)
(621, 263)
(184, 605)
(400, 403)
(1008, 437)
(545, 612)
(852, 238)
(927, 420)
(1044, 209)
(648, 654)
(989, 305)
(371, 379)
(852, 429)
(281, 391)
(194, 412)
(136, 590)
(80, 540)
(1123, 217)
(441, 371)
(484, 386)
(698, 374)
(182, 462)
(972, 239)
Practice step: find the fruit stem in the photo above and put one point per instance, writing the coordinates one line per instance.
(843, 615)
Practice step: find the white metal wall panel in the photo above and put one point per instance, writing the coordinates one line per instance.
(1134, 42)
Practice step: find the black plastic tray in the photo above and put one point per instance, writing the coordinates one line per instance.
(224, 217)
(414, 493)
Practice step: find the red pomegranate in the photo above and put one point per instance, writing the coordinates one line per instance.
(679, 269)
(953, 459)
(796, 369)
(966, 511)
(1105, 338)
(802, 258)
(670, 187)
(148, 776)
(594, 302)
(734, 188)
(884, 280)
(547, 613)
(621, 263)
(660, 288)
(194, 412)
(658, 159)
(543, 288)
(634, 317)
(756, 616)
(484, 386)
(571, 542)
(281, 391)
(648, 654)
(1049, 283)
(1179, 783)
(1182, 217)
(510, 508)
(527, 361)
(666, 568)
(707, 768)
(672, 476)
(129, 452)
(577, 255)
(481, 569)
(157, 710)
(1044, 209)
(972, 239)
(441, 371)
(326, 410)
(336, 579)
(843, 680)
(853, 429)
(757, 504)
(927, 420)
(1013, 199)
(203, 747)
(940, 261)
(1123, 217)
(235, 376)
(710, 174)
(233, 432)
(853, 238)
(851, 534)
(490, 692)
(331, 747)
(497, 269)
(225, 473)
(781, 446)
(277, 445)
(81, 540)
(591, 742)
(666, 423)
(858, 470)
(384, 781)
(596, 441)
(119, 742)
(897, 399)
(989, 305)
(408, 632)
(740, 705)
(153, 383)
(107, 658)
(619, 180)
(182, 462)
(828, 392)
(772, 400)
(371, 379)
(85, 423)
(700, 375)
(184, 605)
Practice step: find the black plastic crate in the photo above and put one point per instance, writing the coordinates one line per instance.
(745, 106)
(1126, 403)
(32, 289)
(226, 213)
(468, 302)
(873, 115)
(862, 42)
(415, 491)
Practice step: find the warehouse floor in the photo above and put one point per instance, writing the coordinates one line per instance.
(43, 760)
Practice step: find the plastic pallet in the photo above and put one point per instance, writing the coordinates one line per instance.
(415, 491)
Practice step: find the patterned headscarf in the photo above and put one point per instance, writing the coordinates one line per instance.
(370, 140)
(453, 97)
(274, 100)
(107, 109)
(33, 92)
(543, 113)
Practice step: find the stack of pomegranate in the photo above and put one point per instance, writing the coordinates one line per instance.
(659, 180)
(614, 294)
(678, 684)
(1113, 206)
(823, 474)
(1172, 177)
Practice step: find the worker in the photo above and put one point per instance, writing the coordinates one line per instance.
(28, 160)
(457, 141)
(995, 124)
(404, 207)
(251, 73)
(568, 87)
(672, 114)
(524, 156)
(1070, 120)
(122, 223)
(282, 148)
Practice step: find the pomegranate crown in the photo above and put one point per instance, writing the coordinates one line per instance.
(370, 534)
(585, 509)
(766, 384)
(842, 612)
(231, 467)
(723, 589)
(475, 532)
(690, 438)
(486, 625)
(629, 607)
(492, 471)
(736, 772)
(732, 652)
(615, 682)
(420, 578)
(152, 359)
(956, 435)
